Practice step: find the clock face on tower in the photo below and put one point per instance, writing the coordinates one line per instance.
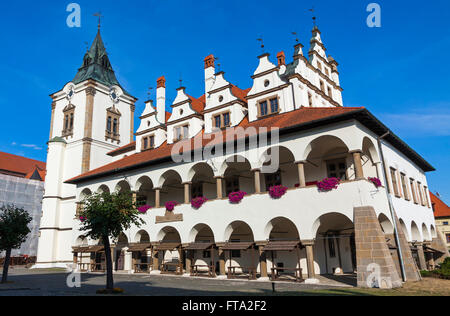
(70, 93)
(113, 95)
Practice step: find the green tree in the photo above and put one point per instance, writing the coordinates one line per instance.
(106, 215)
(13, 232)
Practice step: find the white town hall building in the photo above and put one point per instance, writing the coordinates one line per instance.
(311, 136)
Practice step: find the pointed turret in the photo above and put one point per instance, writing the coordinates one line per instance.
(317, 44)
(96, 65)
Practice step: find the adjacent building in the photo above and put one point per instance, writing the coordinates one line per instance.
(442, 215)
(22, 184)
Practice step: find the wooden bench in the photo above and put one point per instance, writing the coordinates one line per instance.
(232, 272)
(276, 273)
(195, 270)
(178, 268)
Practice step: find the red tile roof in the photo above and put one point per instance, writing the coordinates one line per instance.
(122, 150)
(285, 120)
(440, 208)
(22, 167)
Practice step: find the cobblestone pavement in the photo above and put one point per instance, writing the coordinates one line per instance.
(53, 283)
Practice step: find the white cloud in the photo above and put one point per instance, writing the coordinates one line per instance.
(32, 146)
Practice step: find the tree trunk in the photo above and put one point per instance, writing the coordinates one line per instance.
(6, 266)
(109, 265)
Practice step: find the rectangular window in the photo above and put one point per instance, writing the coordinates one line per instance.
(145, 146)
(445, 223)
(419, 188)
(273, 179)
(263, 111)
(327, 72)
(404, 186)
(322, 86)
(330, 92)
(337, 169)
(413, 190)
(274, 105)
(448, 238)
(310, 99)
(319, 66)
(268, 107)
(109, 124)
(331, 246)
(395, 182)
(152, 141)
(186, 131)
(181, 132)
(222, 120)
(425, 189)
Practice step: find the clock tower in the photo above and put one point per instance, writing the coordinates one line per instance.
(91, 116)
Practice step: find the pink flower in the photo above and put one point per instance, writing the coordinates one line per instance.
(277, 191)
(82, 219)
(376, 182)
(198, 202)
(170, 206)
(236, 197)
(144, 209)
(328, 184)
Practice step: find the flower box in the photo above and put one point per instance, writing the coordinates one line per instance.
(236, 197)
(328, 184)
(170, 206)
(198, 202)
(276, 192)
(376, 182)
(144, 209)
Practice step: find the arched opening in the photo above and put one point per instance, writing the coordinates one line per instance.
(202, 253)
(240, 252)
(81, 202)
(279, 168)
(328, 156)
(145, 193)
(84, 194)
(425, 233)
(404, 229)
(369, 159)
(238, 175)
(433, 232)
(172, 189)
(123, 187)
(103, 189)
(415, 233)
(120, 248)
(386, 225)
(335, 248)
(203, 182)
(170, 254)
(283, 254)
(141, 252)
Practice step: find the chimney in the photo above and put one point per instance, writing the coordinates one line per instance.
(298, 51)
(161, 100)
(281, 57)
(210, 70)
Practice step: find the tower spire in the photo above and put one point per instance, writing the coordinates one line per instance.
(99, 15)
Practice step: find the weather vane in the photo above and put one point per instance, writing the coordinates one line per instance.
(181, 80)
(314, 17)
(262, 43)
(99, 15)
(149, 93)
(296, 38)
(218, 64)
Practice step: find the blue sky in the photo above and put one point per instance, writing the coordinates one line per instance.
(399, 72)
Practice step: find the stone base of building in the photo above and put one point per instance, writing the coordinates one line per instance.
(58, 265)
(375, 265)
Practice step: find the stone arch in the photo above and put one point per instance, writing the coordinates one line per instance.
(370, 159)
(84, 194)
(169, 234)
(142, 237)
(122, 187)
(103, 189)
(415, 232)
(238, 175)
(144, 191)
(327, 156)
(171, 186)
(202, 181)
(238, 230)
(201, 233)
(369, 149)
(281, 228)
(425, 233)
(142, 182)
(433, 232)
(335, 244)
(278, 167)
(386, 224)
(405, 229)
